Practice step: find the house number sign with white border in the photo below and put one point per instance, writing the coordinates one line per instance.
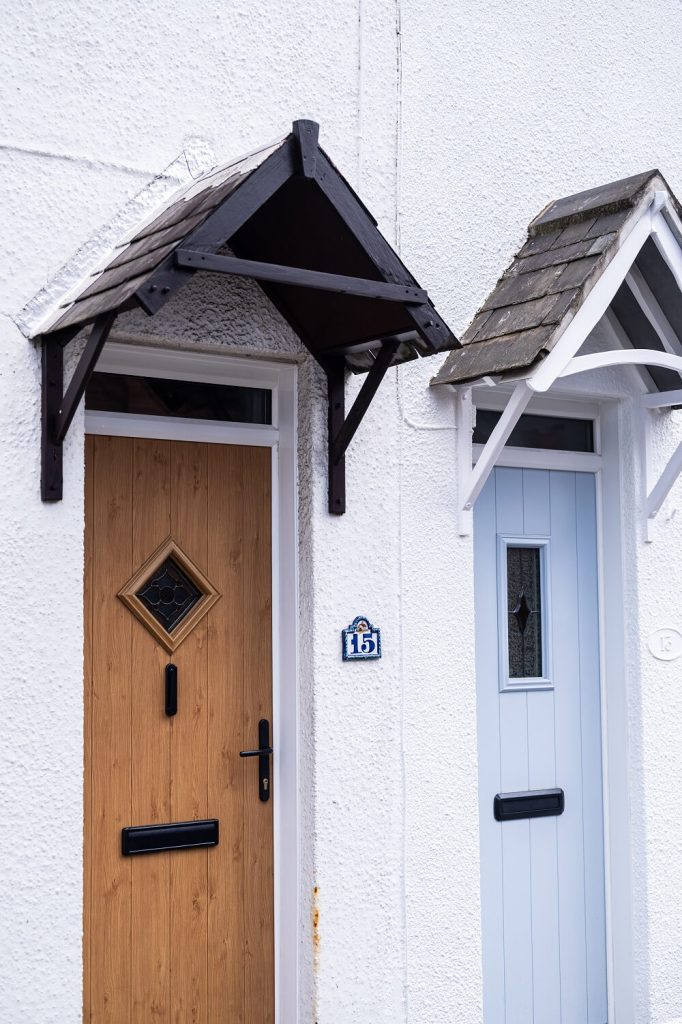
(361, 640)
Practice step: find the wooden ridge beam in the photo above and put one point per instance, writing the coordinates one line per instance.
(307, 134)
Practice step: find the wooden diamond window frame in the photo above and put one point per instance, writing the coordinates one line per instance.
(172, 639)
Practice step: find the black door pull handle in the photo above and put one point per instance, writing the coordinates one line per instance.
(171, 690)
(263, 754)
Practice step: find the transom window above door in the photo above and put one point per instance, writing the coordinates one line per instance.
(164, 396)
(557, 433)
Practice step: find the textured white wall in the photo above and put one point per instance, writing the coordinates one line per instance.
(456, 123)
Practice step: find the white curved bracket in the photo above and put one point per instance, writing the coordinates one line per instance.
(654, 497)
(627, 357)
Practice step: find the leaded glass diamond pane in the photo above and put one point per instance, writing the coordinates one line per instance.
(169, 594)
(524, 605)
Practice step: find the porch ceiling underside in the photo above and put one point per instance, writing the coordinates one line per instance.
(269, 207)
(569, 245)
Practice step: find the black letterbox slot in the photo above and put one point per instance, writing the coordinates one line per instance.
(536, 803)
(178, 835)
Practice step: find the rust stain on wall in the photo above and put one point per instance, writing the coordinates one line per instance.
(316, 927)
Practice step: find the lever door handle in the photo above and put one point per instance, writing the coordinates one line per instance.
(263, 753)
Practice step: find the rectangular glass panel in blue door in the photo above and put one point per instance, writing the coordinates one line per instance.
(524, 612)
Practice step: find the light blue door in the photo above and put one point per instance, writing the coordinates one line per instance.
(539, 728)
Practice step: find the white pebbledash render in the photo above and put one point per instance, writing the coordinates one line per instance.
(455, 123)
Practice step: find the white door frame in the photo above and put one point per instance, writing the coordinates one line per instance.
(281, 378)
(605, 464)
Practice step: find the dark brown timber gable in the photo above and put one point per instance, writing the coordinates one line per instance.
(287, 218)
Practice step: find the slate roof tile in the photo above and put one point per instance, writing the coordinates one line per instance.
(564, 254)
(521, 287)
(511, 319)
(538, 243)
(575, 232)
(616, 195)
(507, 353)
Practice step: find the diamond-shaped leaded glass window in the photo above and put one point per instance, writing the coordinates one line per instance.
(169, 594)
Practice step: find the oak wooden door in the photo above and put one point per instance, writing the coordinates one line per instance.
(183, 935)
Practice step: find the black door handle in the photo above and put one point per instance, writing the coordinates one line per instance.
(263, 754)
(171, 690)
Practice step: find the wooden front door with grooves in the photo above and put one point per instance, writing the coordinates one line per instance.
(182, 935)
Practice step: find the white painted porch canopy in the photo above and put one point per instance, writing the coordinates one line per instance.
(613, 253)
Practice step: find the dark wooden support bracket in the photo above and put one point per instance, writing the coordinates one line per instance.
(342, 428)
(59, 407)
(336, 408)
(51, 452)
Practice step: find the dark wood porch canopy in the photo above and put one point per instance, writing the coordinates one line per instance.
(287, 218)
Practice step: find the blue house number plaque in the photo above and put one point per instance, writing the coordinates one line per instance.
(361, 640)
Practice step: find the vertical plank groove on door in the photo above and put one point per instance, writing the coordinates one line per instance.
(87, 727)
(189, 744)
(593, 814)
(490, 779)
(226, 734)
(514, 768)
(568, 746)
(150, 747)
(111, 538)
(259, 996)
(542, 775)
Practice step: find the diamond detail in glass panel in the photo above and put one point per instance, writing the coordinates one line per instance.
(169, 595)
(522, 613)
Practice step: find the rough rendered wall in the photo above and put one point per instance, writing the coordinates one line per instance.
(508, 106)
(456, 123)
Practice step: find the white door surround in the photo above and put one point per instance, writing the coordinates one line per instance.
(281, 379)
